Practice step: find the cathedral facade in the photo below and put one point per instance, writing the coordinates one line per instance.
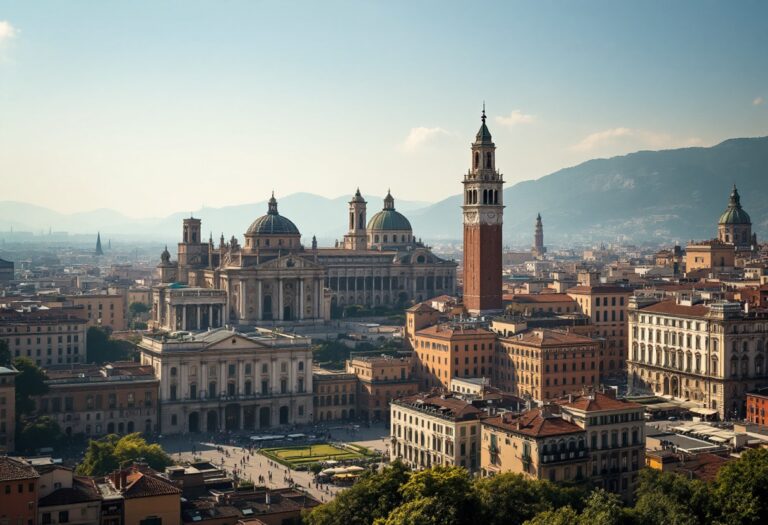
(273, 278)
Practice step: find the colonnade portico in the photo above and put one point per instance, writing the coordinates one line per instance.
(200, 317)
(256, 303)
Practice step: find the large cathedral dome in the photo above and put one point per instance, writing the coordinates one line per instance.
(389, 219)
(272, 223)
(734, 214)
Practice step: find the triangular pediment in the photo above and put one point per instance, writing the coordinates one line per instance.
(289, 262)
(232, 341)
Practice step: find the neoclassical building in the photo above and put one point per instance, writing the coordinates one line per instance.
(273, 278)
(708, 354)
(224, 380)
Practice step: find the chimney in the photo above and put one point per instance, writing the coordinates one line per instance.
(123, 479)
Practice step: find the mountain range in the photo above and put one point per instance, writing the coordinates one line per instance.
(666, 196)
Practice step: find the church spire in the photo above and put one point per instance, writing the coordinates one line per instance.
(99, 251)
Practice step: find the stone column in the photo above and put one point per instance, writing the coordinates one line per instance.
(301, 300)
(318, 288)
(211, 322)
(259, 301)
(243, 300)
(199, 316)
(279, 300)
(227, 305)
(184, 317)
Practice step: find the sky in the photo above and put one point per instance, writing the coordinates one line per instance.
(155, 107)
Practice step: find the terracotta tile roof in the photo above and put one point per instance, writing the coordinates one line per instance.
(541, 337)
(597, 402)
(541, 298)
(12, 469)
(533, 423)
(671, 307)
(600, 288)
(448, 331)
(141, 485)
(440, 403)
(421, 307)
(81, 492)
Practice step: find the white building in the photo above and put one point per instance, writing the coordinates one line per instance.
(224, 380)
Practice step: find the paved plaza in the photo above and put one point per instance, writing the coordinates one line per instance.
(231, 453)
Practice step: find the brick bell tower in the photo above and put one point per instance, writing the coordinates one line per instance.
(483, 211)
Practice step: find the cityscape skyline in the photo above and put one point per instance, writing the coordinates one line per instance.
(120, 112)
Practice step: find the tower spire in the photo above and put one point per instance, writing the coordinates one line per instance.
(482, 117)
(99, 251)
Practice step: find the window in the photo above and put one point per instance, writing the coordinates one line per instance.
(46, 518)
(152, 520)
(63, 516)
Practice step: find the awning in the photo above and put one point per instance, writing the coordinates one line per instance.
(704, 411)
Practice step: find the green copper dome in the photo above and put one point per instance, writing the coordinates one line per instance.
(272, 223)
(734, 214)
(388, 218)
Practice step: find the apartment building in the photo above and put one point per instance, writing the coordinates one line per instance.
(544, 364)
(48, 337)
(449, 350)
(335, 394)
(381, 378)
(710, 354)
(431, 429)
(606, 305)
(117, 398)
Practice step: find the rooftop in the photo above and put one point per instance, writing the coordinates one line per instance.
(441, 404)
(597, 402)
(544, 337)
(12, 469)
(537, 422)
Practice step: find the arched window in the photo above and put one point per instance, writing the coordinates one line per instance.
(301, 366)
(745, 366)
(375, 238)
(386, 238)
(477, 160)
(734, 366)
(759, 365)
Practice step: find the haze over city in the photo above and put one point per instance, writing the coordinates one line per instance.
(144, 107)
(383, 263)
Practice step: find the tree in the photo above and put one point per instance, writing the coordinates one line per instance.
(38, 433)
(371, 498)
(30, 381)
(561, 516)
(101, 348)
(740, 491)
(512, 498)
(5, 353)
(663, 497)
(136, 309)
(112, 452)
(444, 492)
(603, 508)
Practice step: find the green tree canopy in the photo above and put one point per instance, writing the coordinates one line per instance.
(112, 452)
(136, 309)
(5, 353)
(38, 433)
(741, 489)
(30, 381)
(101, 348)
(374, 496)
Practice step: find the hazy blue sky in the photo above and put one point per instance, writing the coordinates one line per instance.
(153, 107)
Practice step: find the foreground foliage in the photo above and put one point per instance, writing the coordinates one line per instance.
(112, 452)
(450, 496)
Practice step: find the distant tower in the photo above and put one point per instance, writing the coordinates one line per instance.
(99, 251)
(483, 218)
(538, 239)
(192, 252)
(357, 238)
(735, 226)
(166, 267)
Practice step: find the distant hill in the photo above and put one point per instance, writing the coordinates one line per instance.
(672, 195)
(313, 214)
(649, 195)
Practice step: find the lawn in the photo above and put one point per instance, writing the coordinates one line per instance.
(306, 454)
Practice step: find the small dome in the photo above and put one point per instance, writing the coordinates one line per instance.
(388, 218)
(734, 214)
(272, 223)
